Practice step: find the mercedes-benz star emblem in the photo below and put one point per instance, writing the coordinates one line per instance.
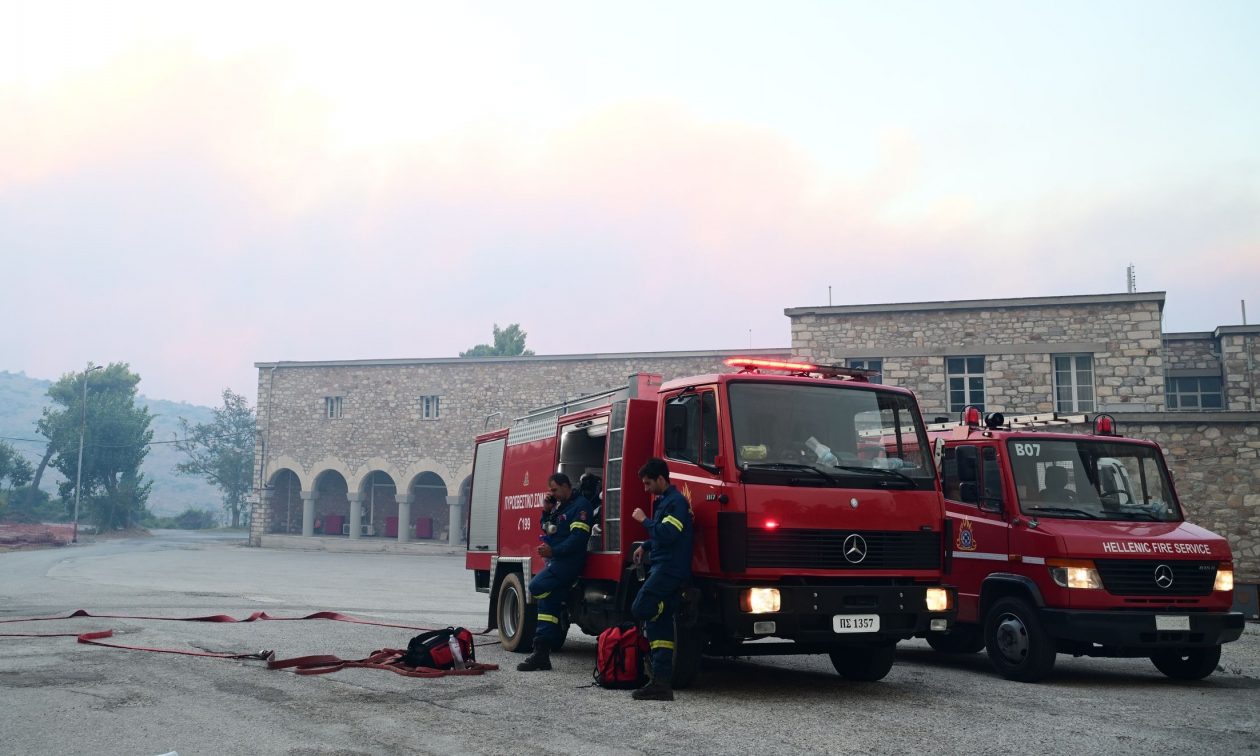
(1164, 576)
(854, 548)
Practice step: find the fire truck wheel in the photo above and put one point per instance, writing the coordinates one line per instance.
(963, 639)
(865, 663)
(516, 617)
(1188, 663)
(1018, 646)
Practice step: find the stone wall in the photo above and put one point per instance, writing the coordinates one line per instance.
(382, 425)
(1191, 351)
(1240, 351)
(1017, 338)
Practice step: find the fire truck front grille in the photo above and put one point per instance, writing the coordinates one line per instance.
(1152, 577)
(844, 549)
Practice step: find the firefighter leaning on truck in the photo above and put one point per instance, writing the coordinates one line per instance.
(566, 526)
(668, 551)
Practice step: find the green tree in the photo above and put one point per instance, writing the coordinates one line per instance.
(508, 342)
(116, 440)
(15, 472)
(222, 452)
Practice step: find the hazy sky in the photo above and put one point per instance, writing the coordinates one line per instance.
(192, 191)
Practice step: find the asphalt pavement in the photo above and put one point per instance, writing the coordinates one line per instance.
(60, 697)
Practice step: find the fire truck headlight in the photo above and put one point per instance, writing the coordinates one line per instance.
(1074, 574)
(937, 599)
(760, 600)
(1224, 579)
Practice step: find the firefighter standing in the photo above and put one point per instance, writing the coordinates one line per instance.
(566, 524)
(669, 557)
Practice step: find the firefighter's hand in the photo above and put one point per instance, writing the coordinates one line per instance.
(544, 550)
(638, 556)
(638, 515)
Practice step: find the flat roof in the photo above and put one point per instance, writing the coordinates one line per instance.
(1188, 335)
(1234, 329)
(979, 304)
(785, 351)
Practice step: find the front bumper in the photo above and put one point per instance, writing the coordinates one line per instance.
(806, 612)
(1103, 633)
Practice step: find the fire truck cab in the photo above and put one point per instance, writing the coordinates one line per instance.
(804, 542)
(1077, 544)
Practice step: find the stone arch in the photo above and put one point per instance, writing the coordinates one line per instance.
(378, 495)
(284, 498)
(373, 465)
(285, 462)
(430, 506)
(332, 501)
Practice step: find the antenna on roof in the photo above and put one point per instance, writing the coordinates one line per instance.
(1131, 278)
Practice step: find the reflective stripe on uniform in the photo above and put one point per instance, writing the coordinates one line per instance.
(581, 525)
(542, 595)
(672, 520)
(553, 619)
(662, 644)
(660, 609)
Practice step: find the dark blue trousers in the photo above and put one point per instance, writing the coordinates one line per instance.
(550, 588)
(655, 607)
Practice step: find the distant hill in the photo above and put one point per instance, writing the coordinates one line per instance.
(22, 401)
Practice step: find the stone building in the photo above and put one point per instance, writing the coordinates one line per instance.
(340, 440)
(1194, 393)
(358, 447)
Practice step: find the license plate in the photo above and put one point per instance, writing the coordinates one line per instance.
(1168, 622)
(855, 623)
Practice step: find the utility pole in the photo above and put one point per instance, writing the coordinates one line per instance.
(78, 477)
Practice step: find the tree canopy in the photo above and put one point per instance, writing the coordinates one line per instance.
(508, 342)
(116, 438)
(222, 452)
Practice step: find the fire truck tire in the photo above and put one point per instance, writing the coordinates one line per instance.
(517, 617)
(865, 663)
(1018, 646)
(963, 639)
(1188, 663)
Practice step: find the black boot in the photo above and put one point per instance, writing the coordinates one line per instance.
(540, 660)
(656, 690)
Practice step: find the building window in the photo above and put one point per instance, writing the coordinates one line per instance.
(966, 382)
(876, 365)
(431, 407)
(1074, 382)
(1202, 393)
(332, 407)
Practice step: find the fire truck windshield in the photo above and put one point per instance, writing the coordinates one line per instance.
(827, 436)
(1095, 480)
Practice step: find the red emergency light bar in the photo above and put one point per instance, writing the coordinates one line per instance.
(753, 365)
(1104, 425)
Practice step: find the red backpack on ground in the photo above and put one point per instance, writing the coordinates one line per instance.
(621, 657)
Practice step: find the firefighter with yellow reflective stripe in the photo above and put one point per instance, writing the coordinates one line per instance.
(669, 562)
(566, 526)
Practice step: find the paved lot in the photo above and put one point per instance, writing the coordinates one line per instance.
(60, 697)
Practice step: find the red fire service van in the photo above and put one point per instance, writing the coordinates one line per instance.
(1077, 544)
(806, 540)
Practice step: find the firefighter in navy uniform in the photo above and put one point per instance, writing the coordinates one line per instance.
(566, 524)
(668, 549)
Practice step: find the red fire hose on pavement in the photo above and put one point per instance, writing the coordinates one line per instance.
(387, 658)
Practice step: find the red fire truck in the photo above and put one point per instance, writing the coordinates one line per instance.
(807, 541)
(1077, 544)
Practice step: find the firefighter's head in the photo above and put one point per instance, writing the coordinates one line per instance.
(655, 476)
(561, 489)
